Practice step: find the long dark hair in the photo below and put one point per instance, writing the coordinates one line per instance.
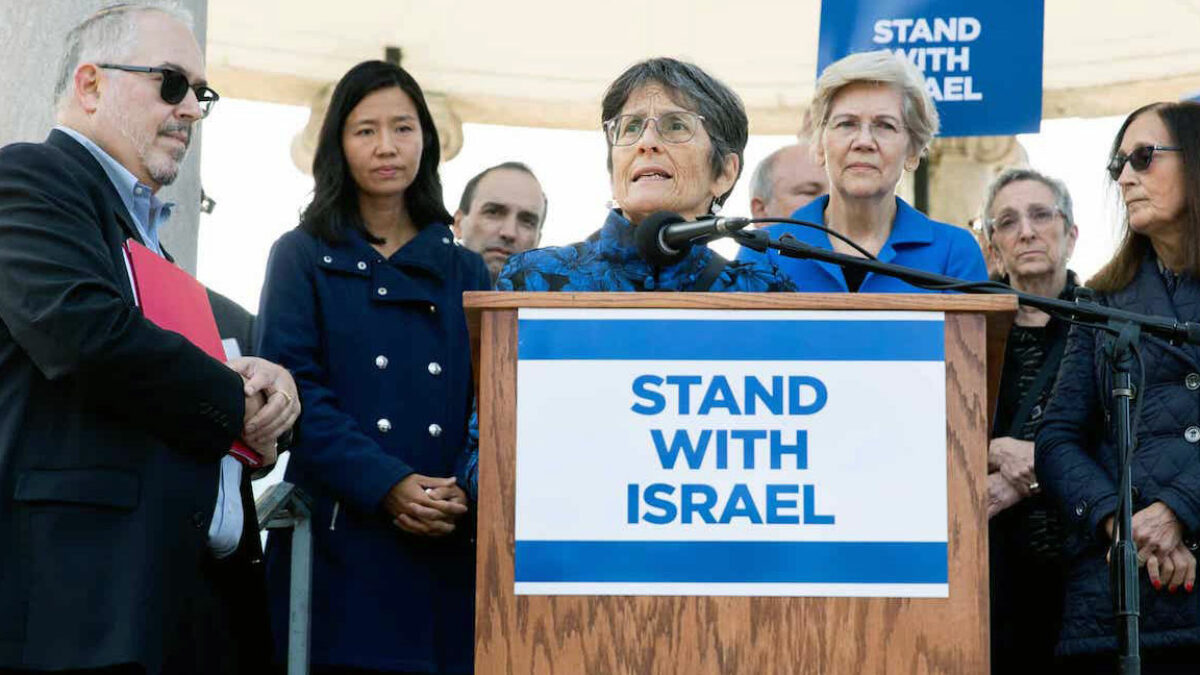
(334, 206)
(1183, 121)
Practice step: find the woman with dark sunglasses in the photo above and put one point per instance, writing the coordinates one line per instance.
(1156, 270)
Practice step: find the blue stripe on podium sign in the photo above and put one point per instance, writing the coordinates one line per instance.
(731, 562)
(716, 340)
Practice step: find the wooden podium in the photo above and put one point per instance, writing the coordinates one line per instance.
(577, 635)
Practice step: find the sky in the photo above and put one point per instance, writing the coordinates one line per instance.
(246, 167)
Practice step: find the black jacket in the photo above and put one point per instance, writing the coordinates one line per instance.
(111, 434)
(1076, 462)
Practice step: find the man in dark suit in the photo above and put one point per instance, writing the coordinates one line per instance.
(122, 518)
(233, 322)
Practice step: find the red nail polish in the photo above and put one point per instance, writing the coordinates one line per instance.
(1172, 588)
(1157, 585)
(1188, 587)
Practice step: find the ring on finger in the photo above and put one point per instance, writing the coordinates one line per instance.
(286, 395)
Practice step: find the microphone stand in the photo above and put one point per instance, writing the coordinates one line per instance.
(1123, 573)
(1128, 327)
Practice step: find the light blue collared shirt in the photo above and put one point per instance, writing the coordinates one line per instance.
(148, 213)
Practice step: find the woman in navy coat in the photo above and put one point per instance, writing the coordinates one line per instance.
(363, 303)
(1156, 270)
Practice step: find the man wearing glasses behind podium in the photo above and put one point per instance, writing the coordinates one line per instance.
(126, 531)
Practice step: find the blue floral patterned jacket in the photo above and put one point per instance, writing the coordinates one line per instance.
(608, 261)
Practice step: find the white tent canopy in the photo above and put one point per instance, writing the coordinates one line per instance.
(545, 63)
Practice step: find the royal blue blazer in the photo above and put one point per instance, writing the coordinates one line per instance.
(915, 241)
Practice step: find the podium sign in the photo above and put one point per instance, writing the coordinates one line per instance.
(750, 453)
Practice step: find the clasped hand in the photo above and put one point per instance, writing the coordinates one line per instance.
(425, 506)
(1010, 473)
(1013, 459)
(1158, 536)
(272, 404)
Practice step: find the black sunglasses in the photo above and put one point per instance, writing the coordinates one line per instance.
(1139, 159)
(174, 87)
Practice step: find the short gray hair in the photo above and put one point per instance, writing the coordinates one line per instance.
(724, 115)
(886, 68)
(762, 181)
(1062, 198)
(108, 35)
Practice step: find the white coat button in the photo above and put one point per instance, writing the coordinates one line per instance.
(1192, 381)
(381, 362)
(1192, 434)
(435, 430)
(445, 240)
(384, 425)
(362, 265)
(328, 259)
(433, 309)
(382, 291)
(435, 368)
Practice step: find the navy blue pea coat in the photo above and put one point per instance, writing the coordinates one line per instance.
(380, 351)
(1076, 461)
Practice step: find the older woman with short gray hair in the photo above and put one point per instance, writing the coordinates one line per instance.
(872, 120)
(675, 141)
(1031, 228)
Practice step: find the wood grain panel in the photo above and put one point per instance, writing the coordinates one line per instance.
(566, 635)
(495, 610)
(930, 302)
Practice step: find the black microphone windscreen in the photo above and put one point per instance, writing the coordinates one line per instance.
(650, 246)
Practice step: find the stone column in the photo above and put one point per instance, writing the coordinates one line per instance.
(960, 170)
(31, 46)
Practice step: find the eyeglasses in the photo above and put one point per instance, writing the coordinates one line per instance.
(1038, 216)
(1139, 159)
(673, 127)
(174, 87)
(881, 129)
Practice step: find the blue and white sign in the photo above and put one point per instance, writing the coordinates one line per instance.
(690, 452)
(982, 60)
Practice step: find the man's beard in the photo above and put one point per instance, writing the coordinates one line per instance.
(162, 166)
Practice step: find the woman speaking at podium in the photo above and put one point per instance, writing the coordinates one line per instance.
(675, 141)
(872, 120)
(363, 303)
(1156, 270)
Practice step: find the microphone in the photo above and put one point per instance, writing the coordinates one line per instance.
(664, 238)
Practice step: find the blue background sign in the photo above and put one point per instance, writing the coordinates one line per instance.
(983, 60)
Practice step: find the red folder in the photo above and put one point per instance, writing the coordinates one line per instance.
(175, 301)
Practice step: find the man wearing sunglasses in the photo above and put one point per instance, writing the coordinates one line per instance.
(126, 532)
